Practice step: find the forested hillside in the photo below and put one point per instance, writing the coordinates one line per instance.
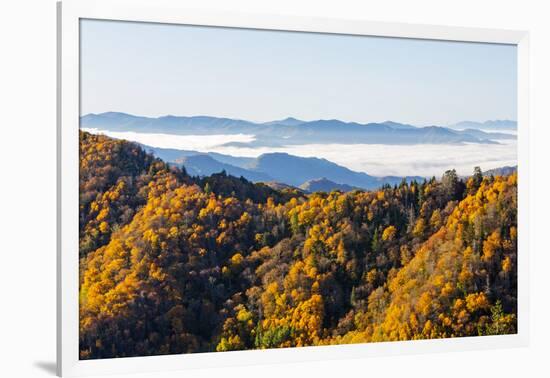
(176, 264)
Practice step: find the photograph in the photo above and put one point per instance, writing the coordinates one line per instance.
(245, 189)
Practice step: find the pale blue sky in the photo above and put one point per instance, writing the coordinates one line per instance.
(154, 69)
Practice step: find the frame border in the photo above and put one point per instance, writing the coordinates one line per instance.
(69, 14)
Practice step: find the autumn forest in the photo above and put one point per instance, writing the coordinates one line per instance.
(172, 263)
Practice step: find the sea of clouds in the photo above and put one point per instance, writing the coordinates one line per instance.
(375, 159)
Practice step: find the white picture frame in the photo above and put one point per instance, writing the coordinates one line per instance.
(69, 15)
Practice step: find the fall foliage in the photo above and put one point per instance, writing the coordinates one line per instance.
(178, 264)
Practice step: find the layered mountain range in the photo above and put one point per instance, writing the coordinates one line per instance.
(282, 169)
(291, 131)
(310, 174)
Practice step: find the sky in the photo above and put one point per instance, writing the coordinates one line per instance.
(157, 69)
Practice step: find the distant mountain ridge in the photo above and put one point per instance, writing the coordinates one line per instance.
(294, 170)
(205, 165)
(276, 167)
(325, 185)
(290, 131)
(173, 155)
(508, 125)
(289, 121)
(501, 171)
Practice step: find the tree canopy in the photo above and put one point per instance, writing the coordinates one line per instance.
(176, 264)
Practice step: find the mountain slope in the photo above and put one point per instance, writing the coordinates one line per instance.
(289, 121)
(324, 185)
(501, 171)
(220, 264)
(280, 167)
(172, 155)
(205, 165)
(294, 170)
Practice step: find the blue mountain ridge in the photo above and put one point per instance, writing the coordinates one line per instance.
(290, 131)
(275, 167)
(495, 125)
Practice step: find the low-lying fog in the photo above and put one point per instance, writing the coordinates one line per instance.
(375, 159)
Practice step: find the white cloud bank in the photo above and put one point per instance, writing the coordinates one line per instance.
(203, 143)
(375, 159)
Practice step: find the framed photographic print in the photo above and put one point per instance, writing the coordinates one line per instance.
(250, 187)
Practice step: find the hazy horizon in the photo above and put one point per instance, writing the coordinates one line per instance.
(299, 119)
